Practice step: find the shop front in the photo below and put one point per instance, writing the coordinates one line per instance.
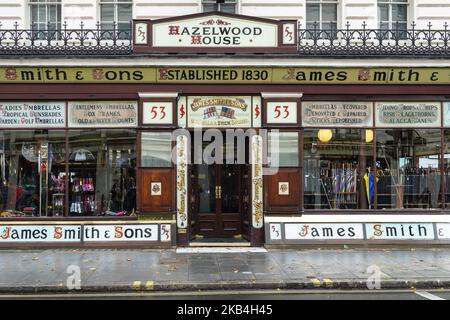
(164, 153)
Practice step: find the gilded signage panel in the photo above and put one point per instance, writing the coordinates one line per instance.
(219, 112)
(407, 114)
(102, 114)
(250, 75)
(32, 115)
(215, 31)
(337, 114)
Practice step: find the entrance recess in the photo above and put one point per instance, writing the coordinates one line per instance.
(220, 194)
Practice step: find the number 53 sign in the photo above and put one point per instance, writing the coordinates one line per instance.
(157, 113)
(281, 112)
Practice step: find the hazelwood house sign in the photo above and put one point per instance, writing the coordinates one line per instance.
(215, 31)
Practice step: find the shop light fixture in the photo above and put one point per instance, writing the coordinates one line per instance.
(369, 135)
(325, 135)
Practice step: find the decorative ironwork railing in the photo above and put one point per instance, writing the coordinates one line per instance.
(398, 41)
(312, 41)
(101, 40)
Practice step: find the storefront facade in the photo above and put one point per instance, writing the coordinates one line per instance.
(275, 150)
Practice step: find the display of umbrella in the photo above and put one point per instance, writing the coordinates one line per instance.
(81, 155)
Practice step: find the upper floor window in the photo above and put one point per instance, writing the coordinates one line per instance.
(322, 14)
(45, 15)
(392, 15)
(119, 12)
(228, 6)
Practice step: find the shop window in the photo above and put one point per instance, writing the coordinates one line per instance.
(392, 18)
(447, 166)
(32, 173)
(283, 149)
(228, 6)
(118, 12)
(102, 172)
(45, 17)
(408, 172)
(322, 15)
(337, 168)
(156, 149)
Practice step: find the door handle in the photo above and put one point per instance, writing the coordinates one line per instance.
(218, 192)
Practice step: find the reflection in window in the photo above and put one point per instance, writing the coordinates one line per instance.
(156, 149)
(102, 172)
(32, 173)
(408, 168)
(283, 149)
(337, 166)
(228, 6)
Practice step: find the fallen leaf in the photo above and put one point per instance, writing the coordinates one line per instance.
(92, 269)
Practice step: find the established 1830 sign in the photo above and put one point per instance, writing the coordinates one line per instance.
(215, 31)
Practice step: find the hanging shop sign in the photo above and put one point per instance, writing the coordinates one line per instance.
(32, 114)
(85, 233)
(219, 112)
(230, 75)
(407, 114)
(208, 31)
(337, 114)
(102, 114)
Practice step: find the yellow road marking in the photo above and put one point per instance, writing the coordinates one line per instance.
(149, 285)
(316, 282)
(328, 283)
(136, 285)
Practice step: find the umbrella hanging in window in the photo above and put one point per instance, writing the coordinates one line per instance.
(82, 155)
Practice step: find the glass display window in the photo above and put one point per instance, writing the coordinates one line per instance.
(102, 176)
(32, 173)
(408, 168)
(338, 169)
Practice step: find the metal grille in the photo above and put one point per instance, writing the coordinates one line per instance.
(64, 41)
(313, 41)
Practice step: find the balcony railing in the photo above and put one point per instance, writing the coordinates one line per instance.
(346, 42)
(98, 41)
(365, 42)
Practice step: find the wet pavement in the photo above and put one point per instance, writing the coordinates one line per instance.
(110, 269)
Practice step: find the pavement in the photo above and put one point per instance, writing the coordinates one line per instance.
(144, 270)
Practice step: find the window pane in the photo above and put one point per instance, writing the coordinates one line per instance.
(156, 149)
(208, 7)
(125, 12)
(383, 12)
(107, 12)
(312, 12)
(447, 166)
(398, 12)
(408, 168)
(337, 163)
(283, 149)
(228, 7)
(329, 12)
